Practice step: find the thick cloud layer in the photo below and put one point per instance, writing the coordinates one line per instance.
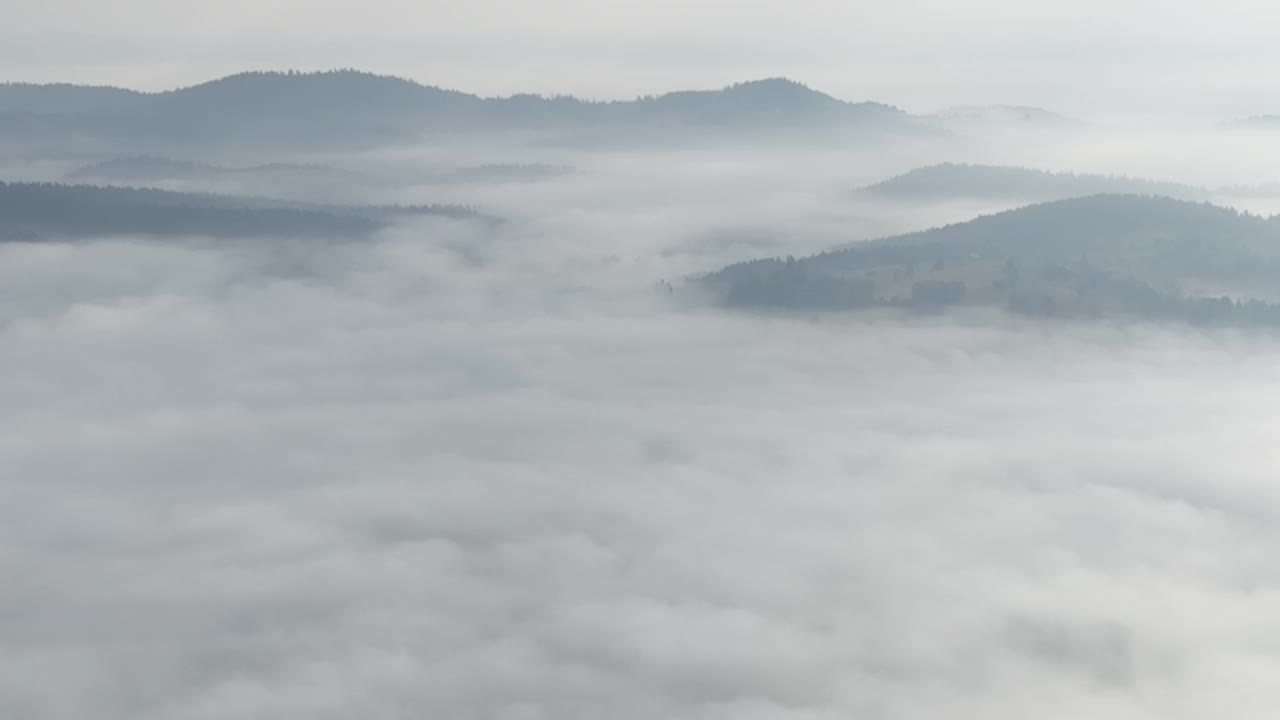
(472, 475)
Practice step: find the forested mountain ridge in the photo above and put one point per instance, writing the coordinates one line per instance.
(1127, 255)
(1008, 116)
(46, 211)
(153, 170)
(350, 107)
(64, 98)
(947, 181)
(144, 168)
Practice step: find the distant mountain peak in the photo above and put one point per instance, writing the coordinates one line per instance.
(294, 81)
(276, 75)
(951, 180)
(780, 90)
(1261, 121)
(357, 108)
(1008, 114)
(772, 84)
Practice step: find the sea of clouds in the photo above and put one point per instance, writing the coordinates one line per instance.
(470, 472)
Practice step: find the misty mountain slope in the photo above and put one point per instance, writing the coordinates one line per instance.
(1260, 190)
(948, 181)
(296, 181)
(348, 107)
(41, 211)
(762, 102)
(289, 110)
(1131, 255)
(291, 92)
(307, 107)
(299, 182)
(970, 117)
(148, 168)
(64, 98)
(1261, 122)
(507, 172)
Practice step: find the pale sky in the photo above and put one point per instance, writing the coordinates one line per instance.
(1085, 57)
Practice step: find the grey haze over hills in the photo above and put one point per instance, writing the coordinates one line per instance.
(169, 173)
(352, 108)
(144, 168)
(1261, 122)
(948, 181)
(1007, 117)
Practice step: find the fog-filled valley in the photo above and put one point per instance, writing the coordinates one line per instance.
(337, 395)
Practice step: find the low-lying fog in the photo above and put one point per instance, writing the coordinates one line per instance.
(471, 472)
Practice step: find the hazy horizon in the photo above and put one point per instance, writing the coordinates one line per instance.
(1200, 62)
(548, 88)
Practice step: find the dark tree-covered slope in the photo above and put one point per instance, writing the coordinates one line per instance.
(1131, 255)
(37, 211)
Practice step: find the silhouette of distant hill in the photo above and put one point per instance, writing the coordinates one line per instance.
(150, 169)
(506, 172)
(949, 181)
(44, 211)
(297, 181)
(1260, 190)
(1104, 255)
(971, 117)
(64, 98)
(1261, 122)
(351, 107)
(771, 102)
